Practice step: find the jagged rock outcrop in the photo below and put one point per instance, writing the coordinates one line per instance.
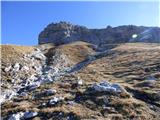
(64, 32)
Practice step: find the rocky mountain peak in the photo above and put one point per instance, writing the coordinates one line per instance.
(66, 32)
(60, 33)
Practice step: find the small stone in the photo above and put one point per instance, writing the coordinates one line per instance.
(70, 102)
(110, 109)
(39, 56)
(80, 82)
(16, 67)
(55, 100)
(7, 69)
(36, 49)
(105, 100)
(23, 94)
(32, 78)
(50, 92)
(151, 78)
(12, 81)
(43, 104)
(33, 86)
(28, 115)
(25, 68)
(46, 79)
(60, 113)
(37, 68)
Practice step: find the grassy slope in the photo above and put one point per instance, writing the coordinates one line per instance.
(126, 66)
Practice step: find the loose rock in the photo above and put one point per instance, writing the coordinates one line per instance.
(29, 114)
(151, 78)
(108, 87)
(39, 56)
(50, 92)
(25, 68)
(16, 67)
(7, 69)
(16, 116)
(55, 100)
(80, 82)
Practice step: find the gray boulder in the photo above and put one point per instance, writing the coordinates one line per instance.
(107, 87)
(38, 55)
(28, 115)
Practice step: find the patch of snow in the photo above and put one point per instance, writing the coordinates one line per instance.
(134, 36)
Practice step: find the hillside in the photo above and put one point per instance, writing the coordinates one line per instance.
(73, 81)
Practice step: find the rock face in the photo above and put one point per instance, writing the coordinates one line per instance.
(149, 35)
(63, 32)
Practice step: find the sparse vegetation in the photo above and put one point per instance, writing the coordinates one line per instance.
(128, 65)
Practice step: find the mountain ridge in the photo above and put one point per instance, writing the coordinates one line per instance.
(65, 32)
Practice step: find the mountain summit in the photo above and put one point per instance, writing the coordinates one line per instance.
(65, 32)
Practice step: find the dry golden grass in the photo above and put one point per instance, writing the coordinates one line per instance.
(75, 52)
(126, 65)
(12, 53)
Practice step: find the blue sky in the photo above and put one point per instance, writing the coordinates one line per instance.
(23, 21)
